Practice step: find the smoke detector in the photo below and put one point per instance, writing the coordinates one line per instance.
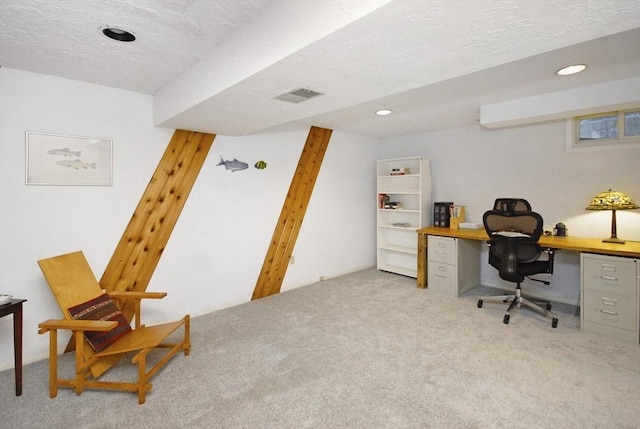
(297, 95)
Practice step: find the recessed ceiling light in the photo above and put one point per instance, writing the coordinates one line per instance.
(576, 68)
(118, 34)
(384, 112)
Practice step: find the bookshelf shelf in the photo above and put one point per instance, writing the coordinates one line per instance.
(404, 198)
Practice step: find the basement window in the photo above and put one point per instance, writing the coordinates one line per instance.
(610, 130)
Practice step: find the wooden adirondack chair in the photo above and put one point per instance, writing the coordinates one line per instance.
(100, 343)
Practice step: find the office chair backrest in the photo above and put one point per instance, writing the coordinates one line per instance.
(512, 205)
(528, 223)
(513, 239)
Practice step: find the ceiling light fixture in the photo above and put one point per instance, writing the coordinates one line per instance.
(118, 34)
(384, 112)
(573, 69)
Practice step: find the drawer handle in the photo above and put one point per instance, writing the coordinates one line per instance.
(613, 313)
(609, 301)
(612, 278)
(607, 267)
(441, 245)
(441, 252)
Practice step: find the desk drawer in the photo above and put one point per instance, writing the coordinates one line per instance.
(610, 309)
(442, 249)
(609, 274)
(443, 278)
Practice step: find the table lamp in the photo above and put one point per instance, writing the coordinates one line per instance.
(612, 200)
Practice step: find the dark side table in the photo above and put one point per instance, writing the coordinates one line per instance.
(15, 307)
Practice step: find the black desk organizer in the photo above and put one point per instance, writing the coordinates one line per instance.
(442, 213)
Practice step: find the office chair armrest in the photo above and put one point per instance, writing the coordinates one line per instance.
(551, 252)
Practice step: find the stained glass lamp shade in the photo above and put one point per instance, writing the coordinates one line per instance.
(612, 200)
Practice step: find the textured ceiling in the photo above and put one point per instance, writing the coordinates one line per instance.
(62, 37)
(216, 65)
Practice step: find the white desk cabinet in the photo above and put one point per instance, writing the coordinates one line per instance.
(610, 296)
(453, 265)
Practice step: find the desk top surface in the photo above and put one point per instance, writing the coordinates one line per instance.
(630, 249)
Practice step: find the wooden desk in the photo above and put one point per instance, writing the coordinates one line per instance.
(15, 307)
(577, 244)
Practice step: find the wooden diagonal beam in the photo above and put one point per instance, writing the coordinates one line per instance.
(286, 232)
(137, 254)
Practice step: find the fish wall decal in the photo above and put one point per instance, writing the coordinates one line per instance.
(77, 164)
(234, 165)
(260, 165)
(66, 152)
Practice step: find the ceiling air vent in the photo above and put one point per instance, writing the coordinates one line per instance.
(297, 95)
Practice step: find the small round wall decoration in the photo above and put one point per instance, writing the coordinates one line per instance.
(261, 165)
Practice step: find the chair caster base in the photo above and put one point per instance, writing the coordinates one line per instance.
(517, 301)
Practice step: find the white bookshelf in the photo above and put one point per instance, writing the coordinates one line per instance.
(397, 238)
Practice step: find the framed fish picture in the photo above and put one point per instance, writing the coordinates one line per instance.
(54, 159)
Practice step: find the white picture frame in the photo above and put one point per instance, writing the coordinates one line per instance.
(55, 159)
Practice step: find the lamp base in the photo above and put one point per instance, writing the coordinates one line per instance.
(613, 240)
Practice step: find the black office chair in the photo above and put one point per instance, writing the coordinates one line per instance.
(514, 251)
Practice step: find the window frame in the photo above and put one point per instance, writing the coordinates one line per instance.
(621, 142)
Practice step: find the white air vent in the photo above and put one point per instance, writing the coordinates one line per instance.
(297, 95)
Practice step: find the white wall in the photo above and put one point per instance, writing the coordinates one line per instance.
(218, 246)
(474, 166)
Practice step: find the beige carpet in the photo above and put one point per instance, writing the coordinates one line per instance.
(365, 350)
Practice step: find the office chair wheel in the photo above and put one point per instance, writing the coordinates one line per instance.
(548, 306)
(554, 323)
(506, 319)
(479, 303)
